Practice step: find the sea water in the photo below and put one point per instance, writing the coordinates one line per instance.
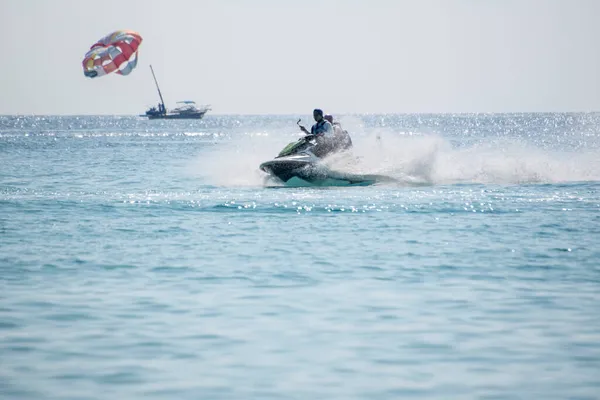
(149, 259)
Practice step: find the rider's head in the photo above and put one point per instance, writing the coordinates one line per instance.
(329, 118)
(317, 114)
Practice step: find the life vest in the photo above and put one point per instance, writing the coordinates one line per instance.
(319, 127)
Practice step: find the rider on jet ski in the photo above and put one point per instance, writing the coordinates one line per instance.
(322, 127)
(322, 132)
(329, 135)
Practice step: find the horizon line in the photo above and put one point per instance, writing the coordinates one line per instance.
(303, 113)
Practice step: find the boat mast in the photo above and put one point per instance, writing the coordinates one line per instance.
(159, 93)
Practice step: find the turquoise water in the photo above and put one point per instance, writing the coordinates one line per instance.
(147, 259)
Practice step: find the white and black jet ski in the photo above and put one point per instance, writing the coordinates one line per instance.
(305, 159)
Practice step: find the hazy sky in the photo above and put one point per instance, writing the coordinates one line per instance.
(288, 56)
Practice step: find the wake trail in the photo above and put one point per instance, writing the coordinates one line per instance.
(408, 159)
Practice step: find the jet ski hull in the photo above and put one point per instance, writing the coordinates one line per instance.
(290, 171)
(286, 168)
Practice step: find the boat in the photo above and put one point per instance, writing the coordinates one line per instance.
(305, 162)
(186, 110)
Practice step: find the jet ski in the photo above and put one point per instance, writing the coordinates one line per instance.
(305, 160)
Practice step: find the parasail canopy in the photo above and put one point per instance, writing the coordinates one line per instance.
(116, 52)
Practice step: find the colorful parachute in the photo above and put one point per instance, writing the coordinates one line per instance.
(116, 52)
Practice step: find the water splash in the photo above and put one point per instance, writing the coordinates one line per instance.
(436, 160)
(412, 157)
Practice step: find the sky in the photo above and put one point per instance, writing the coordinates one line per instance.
(291, 56)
